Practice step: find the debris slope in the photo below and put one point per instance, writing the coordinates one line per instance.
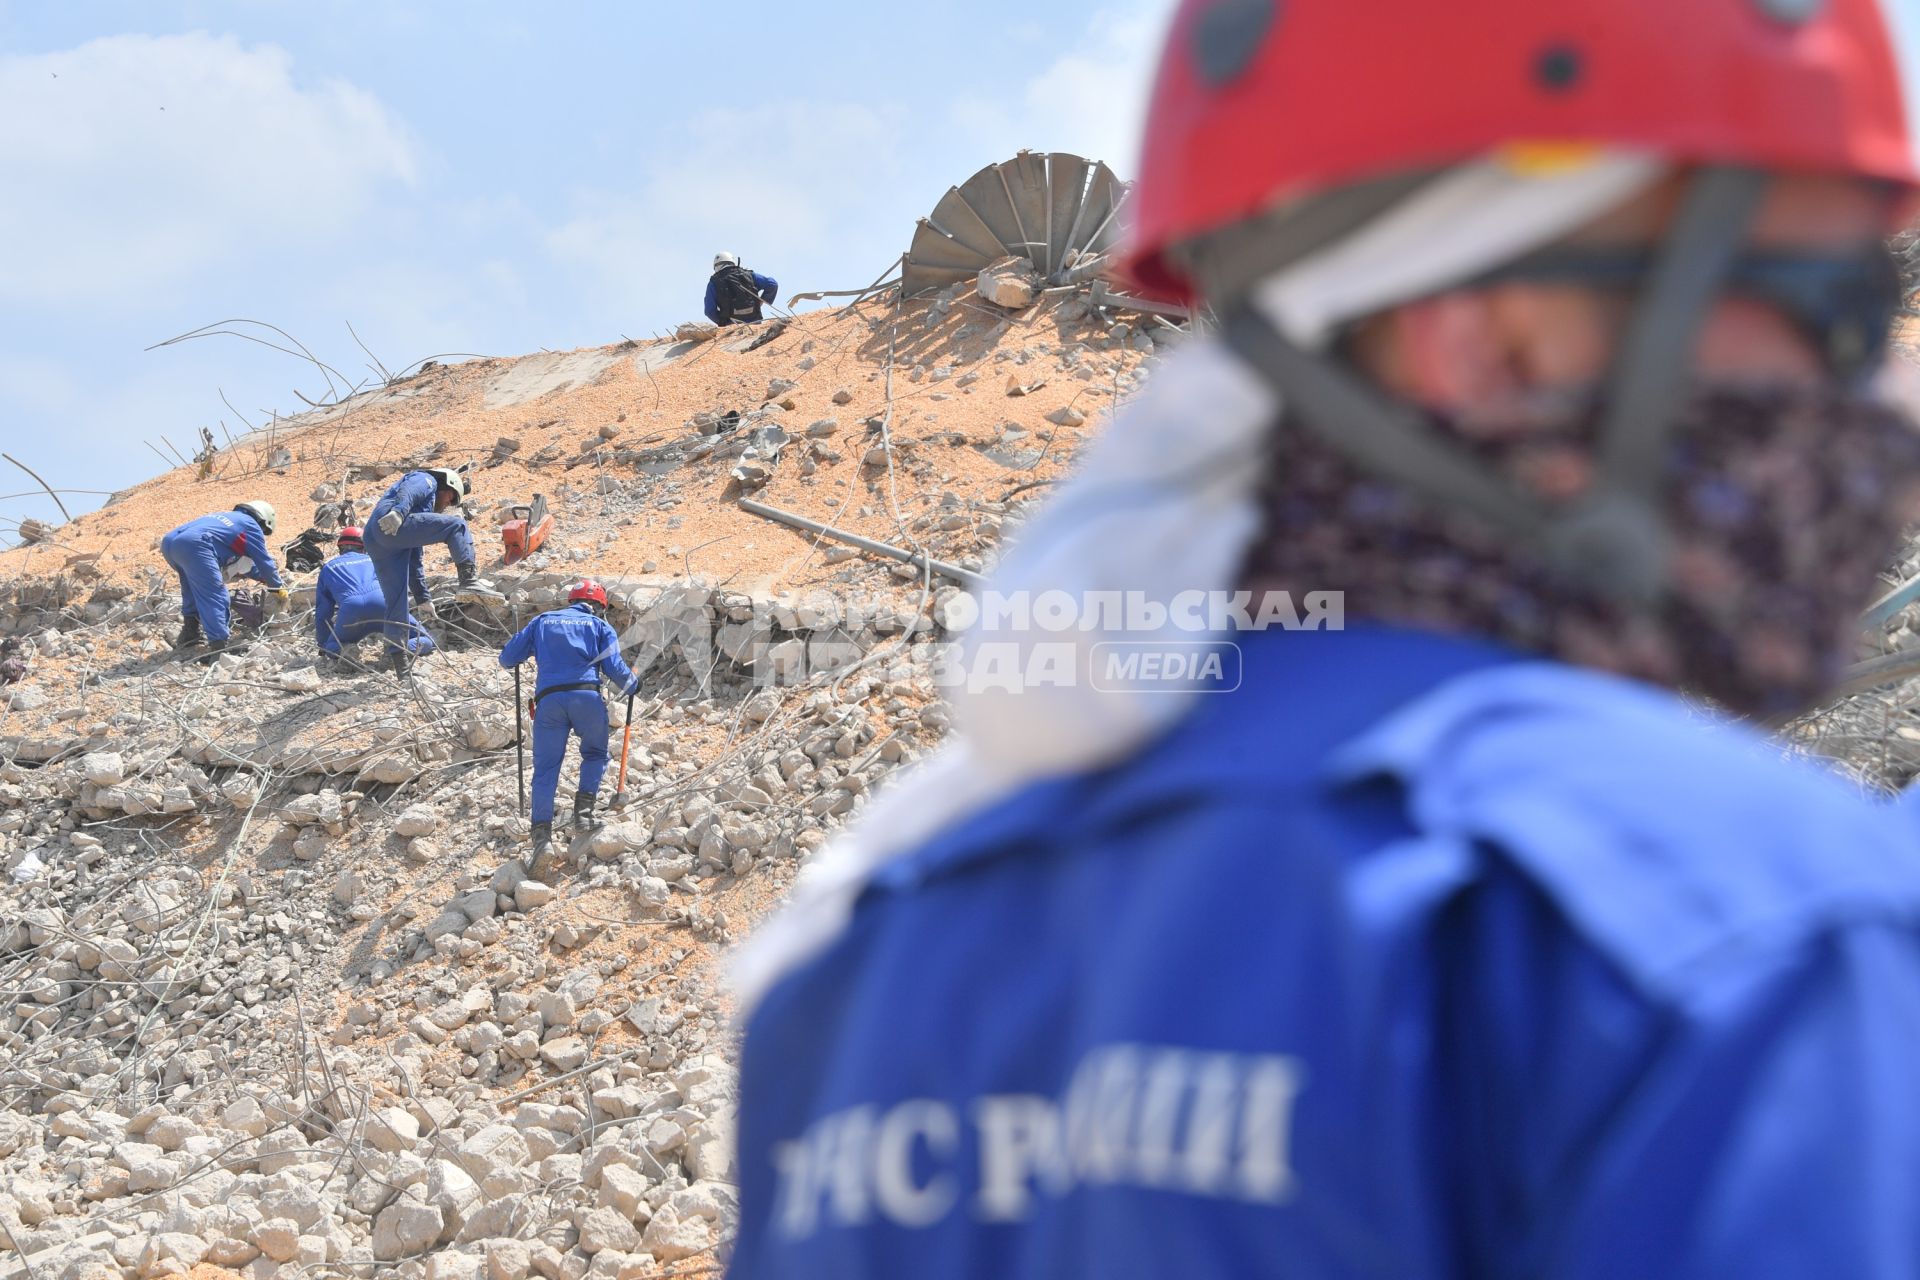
(279, 997)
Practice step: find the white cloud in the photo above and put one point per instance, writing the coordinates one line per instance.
(134, 162)
(824, 193)
(407, 311)
(1090, 100)
(782, 183)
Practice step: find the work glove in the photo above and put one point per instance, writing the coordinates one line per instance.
(281, 592)
(390, 523)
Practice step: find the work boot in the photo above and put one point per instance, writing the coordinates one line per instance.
(583, 820)
(214, 649)
(189, 634)
(468, 572)
(540, 863)
(400, 661)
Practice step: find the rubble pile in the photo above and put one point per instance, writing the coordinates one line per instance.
(1906, 251)
(280, 993)
(277, 997)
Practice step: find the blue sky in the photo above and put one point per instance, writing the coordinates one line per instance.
(481, 176)
(487, 177)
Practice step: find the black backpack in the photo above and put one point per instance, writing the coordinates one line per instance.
(739, 297)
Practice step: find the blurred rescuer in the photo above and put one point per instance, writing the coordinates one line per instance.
(348, 606)
(572, 649)
(736, 294)
(1450, 943)
(410, 517)
(204, 554)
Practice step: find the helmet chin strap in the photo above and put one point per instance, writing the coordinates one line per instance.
(1615, 538)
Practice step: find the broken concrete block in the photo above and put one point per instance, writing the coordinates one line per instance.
(416, 820)
(604, 1228)
(669, 1237)
(565, 1053)
(392, 1129)
(406, 1228)
(103, 768)
(323, 808)
(1009, 282)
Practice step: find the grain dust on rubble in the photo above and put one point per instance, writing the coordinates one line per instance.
(282, 1003)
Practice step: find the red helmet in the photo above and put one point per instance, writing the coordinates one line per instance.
(350, 539)
(1260, 102)
(590, 591)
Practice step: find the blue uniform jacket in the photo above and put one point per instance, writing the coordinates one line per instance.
(1410, 959)
(412, 495)
(570, 646)
(346, 597)
(768, 287)
(230, 535)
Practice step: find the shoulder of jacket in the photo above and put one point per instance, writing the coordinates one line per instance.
(1666, 839)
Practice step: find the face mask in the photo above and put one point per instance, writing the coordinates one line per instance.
(1783, 506)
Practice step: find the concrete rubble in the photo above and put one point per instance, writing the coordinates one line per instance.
(251, 1026)
(282, 999)
(1010, 282)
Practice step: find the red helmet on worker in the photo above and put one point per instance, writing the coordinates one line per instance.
(590, 591)
(1260, 104)
(350, 539)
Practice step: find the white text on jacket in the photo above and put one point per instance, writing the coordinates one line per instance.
(1216, 1125)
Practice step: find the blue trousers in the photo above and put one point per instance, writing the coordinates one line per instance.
(397, 561)
(203, 592)
(581, 712)
(354, 632)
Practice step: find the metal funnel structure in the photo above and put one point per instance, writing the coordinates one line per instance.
(1061, 212)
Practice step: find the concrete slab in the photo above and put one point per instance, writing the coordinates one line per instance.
(296, 422)
(653, 358)
(531, 377)
(38, 1263)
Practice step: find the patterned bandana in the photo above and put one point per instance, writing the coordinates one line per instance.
(1783, 506)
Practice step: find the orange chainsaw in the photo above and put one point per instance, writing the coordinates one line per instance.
(527, 529)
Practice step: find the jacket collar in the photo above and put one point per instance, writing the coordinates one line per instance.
(1301, 696)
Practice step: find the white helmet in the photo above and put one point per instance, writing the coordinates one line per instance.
(725, 260)
(448, 478)
(262, 513)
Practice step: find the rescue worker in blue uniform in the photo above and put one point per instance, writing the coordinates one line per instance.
(1441, 938)
(572, 649)
(409, 517)
(204, 554)
(348, 606)
(735, 294)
